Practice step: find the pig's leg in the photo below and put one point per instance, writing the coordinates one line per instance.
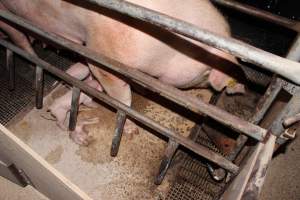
(60, 108)
(17, 37)
(117, 89)
(79, 71)
(218, 80)
(81, 135)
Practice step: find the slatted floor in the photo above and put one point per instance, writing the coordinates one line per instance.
(22, 98)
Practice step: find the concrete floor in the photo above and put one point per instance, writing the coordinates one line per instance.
(128, 176)
(283, 178)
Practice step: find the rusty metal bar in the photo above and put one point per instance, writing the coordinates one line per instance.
(194, 104)
(10, 65)
(261, 109)
(166, 161)
(200, 150)
(250, 10)
(121, 119)
(74, 108)
(39, 87)
(248, 53)
(291, 109)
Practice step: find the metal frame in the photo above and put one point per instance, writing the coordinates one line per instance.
(286, 68)
(261, 14)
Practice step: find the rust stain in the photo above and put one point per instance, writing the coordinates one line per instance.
(25, 132)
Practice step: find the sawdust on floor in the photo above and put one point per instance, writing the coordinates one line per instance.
(131, 174)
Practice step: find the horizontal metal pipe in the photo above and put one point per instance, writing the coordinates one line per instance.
(250, 10)
(194, 104)
(286, 68)
(200, 150)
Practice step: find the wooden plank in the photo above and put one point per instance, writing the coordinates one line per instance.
(44, 177)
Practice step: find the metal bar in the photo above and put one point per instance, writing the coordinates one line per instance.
(261, 109)
(121, 119)
(259, 171)
(294, 52)
(248, 53)
(74, 108)
(10, 65)
(291, 120)
(250, 10)
(194, 104)
(200, 150)
(39, 87)
(291, 109)
(166, 161)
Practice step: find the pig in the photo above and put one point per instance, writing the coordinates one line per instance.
(62, 105)
(173, 59)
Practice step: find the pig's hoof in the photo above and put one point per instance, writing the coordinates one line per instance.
(130, 129)
(236, 89)
(81, 138)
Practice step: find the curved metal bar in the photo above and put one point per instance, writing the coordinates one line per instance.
(284, 67)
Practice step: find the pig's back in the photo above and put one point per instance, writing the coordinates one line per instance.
(153, 51)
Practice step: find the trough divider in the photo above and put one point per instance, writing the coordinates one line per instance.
(120, 122)
(74, 108)
(198, 149)
(10, 66)
(166, 161)
(39, 87)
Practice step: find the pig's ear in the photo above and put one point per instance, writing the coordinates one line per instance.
(218, 80)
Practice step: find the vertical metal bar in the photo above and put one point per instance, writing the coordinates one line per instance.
(121, 119)
(39, 87)
(294, 52)
(10, 65)
(261, 109)
(166, 161)
(74, 108)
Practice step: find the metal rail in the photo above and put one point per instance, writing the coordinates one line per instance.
(250, 10)
(286, 68)
(198, 149)
(194, 104)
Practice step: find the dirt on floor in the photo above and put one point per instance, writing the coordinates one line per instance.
(131, 174)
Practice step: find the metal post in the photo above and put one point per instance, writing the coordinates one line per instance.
(39, 87)
(198, 149)
(166, 161)
(294, 52)
(10, 65)
(74, 108)
(121, 119)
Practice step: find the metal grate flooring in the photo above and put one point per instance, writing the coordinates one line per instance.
(193, 181)
(22, 98)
